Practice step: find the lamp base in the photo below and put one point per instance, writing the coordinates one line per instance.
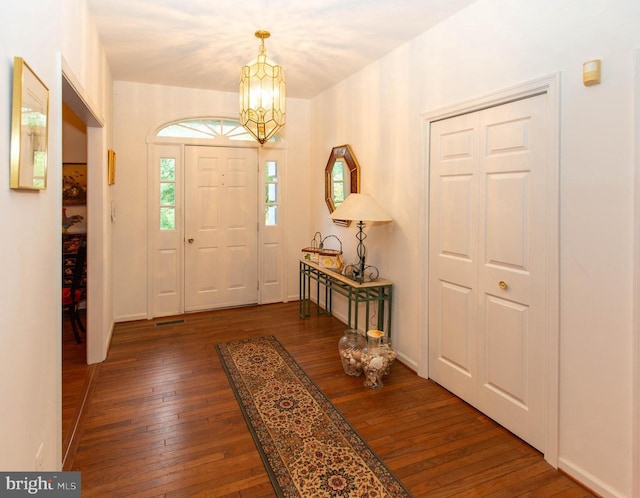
(361, 273)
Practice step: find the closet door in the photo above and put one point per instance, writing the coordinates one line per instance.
(487, 262)
(453, 255)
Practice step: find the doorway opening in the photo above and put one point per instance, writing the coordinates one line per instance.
(81, 148)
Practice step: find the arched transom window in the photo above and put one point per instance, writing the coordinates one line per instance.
(210, 128)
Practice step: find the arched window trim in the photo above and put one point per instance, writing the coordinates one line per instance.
(206, 128)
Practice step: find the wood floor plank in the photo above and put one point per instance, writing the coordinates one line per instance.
(163, 420)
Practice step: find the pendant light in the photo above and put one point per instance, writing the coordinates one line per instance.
(262, 95)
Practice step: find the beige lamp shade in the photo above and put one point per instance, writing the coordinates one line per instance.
(360, 207)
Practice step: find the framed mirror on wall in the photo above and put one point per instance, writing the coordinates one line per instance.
(29, 129)
(341, 178)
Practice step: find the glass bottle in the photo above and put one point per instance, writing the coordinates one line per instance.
(350, 347)
(374, 360)
(385, 344)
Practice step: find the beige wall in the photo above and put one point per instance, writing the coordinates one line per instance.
(490, 46)
(30, 251)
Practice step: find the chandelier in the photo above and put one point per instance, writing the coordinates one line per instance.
(262, 95)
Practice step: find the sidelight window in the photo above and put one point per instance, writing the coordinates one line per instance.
(271, 193)
(167, 193)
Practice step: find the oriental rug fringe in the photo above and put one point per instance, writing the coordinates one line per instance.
(308, 448)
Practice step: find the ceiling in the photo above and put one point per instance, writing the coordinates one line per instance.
(203, 43)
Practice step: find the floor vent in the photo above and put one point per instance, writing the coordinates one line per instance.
(170, 322)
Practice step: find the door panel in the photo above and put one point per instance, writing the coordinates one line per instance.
(168, 280)
(506, 212)
(272, 250)
(488, 239)
(220, 227)
(512, 249)
(455, 308)
(506, 351)
(453, 252)
(165, 256)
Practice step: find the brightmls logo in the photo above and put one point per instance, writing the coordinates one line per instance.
(50, 484)
(31, 486)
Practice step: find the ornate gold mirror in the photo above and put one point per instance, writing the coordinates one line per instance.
(341, 178)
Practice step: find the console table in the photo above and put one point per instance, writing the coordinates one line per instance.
(378, 291)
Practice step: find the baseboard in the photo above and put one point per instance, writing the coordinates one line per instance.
(588, 480)
(107, 344)
(130, 318)
(412, 365)
(72, 437)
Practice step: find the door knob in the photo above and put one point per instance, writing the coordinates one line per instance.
(190, 240)
(502, 284)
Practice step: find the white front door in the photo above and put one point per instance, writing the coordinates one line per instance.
(487, 262)
(221, 227)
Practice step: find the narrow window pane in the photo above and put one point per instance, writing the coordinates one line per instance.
(167, 218)
(271, 215)
(272, 192)
(271, 171)
(167, 169)
(168, 194)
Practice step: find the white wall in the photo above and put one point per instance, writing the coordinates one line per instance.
(87, 66)
(492, 45)
(139, 109)
(30, 250)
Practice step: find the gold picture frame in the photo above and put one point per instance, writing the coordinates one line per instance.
(74, 184)
(111, 168)
(29, 129)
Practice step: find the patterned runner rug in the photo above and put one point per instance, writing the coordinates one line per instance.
(308, 448)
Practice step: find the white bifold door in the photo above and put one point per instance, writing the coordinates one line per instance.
(487, 262)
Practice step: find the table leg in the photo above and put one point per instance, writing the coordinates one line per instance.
(390, 301)
(301, 289)
(367, 297)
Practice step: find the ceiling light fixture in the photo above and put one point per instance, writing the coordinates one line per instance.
(262, 95)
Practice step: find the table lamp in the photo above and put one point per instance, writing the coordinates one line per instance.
(360, 208)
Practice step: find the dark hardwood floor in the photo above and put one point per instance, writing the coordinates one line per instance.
(74, 375)
(77, 381)
(163, 421)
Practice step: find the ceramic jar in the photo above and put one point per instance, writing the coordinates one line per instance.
(350, 347)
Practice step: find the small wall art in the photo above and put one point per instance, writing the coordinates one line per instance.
(111, 173)
(74, 184)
